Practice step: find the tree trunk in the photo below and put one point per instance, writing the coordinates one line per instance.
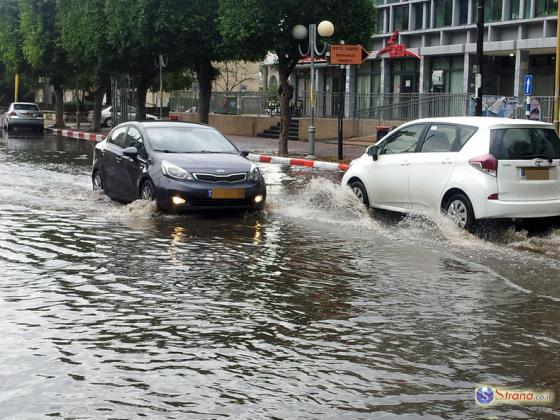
(97, 107)
(205, 74)
(59, 106)
(285, 94)
(141, 92)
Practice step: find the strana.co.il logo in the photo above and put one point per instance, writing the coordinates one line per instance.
(484, 395)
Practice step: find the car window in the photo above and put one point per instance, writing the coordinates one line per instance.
(464, 133)
(118, 136)
(439, 138)
(181, 139)
(404, 140)
(524, 143)
(26, 107)
(134, 139)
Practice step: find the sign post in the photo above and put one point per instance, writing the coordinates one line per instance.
(345, 55)
(528, 91)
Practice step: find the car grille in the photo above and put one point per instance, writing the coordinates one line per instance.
(220, 178)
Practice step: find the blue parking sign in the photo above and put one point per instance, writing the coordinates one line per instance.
(528, 85)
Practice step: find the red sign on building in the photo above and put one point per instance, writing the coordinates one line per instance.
(395, 50)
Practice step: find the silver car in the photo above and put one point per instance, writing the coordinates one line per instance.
(107, 116)
(23, 114)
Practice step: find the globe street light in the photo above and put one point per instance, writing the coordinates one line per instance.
(300, 32)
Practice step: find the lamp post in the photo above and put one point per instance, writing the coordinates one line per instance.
(300, 32)
(162, 63)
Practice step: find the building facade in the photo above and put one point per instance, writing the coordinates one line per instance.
(519, 39)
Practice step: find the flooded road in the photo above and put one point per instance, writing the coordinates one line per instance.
(312, 309)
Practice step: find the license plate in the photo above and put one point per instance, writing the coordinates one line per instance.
(535, 174)
(220, 193)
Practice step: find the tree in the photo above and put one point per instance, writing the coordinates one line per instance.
(83, 37)
(259, 26)
(40, 48)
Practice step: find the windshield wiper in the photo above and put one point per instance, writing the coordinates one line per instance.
(165, 151)
(537, 156)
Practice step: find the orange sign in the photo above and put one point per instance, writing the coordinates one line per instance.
(348, 54)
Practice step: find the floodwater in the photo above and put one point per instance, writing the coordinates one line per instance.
(311, 309)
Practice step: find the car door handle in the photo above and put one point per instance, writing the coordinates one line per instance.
(405, 163)
(446, 162)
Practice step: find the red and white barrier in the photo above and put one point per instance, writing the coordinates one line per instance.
(77, 134)
(252, 156)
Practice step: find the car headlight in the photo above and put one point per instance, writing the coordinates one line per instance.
(254, 173)
(173, 171)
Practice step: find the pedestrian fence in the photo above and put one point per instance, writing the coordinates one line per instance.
(374, 106)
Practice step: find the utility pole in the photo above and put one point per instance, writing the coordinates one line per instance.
(161, 65)
(479, 55)
(16, 88)
(557, 79)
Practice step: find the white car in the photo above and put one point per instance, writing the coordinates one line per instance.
(470, 168)
(23, 114)
(107, 116)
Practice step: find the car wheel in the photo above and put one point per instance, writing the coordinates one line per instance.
(147, 191)
(359, 191)
(109, 122)
(459, 209)
(97, 181)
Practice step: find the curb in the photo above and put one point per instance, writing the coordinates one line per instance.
(252, 156)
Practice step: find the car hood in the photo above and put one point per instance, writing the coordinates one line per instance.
(211, 162)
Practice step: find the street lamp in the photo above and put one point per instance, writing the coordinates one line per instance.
(300, 32)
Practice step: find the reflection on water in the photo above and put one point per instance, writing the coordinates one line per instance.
(309, 309)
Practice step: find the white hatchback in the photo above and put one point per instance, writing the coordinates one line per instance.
(470, 168)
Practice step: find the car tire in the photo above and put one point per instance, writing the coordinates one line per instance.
(108, 122)
(97, 181)
(359, 191)
(147, 191)
(459, 209)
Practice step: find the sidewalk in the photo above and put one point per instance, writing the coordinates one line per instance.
(324, 149)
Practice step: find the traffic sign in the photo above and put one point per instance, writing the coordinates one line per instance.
(348, 54)
(528, 85)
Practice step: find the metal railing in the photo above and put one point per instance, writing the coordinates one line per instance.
(376, 106)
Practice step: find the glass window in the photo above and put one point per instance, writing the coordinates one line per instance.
(134, 139)
(514, 11)
(524, 143)
(443, 12)
(492, 10)
(404, 140)
(26, 107)
(381, 22)
(418, 15)
(118, 137)
(463, 12)
(545, 7)
(189, 140)
(439, 139)
(464, 134)
(400, 18)
(527, 13)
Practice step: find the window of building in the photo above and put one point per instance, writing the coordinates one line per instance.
(400, 18)
(418, 15)
(381, 22)
(463, 12)
(492, 10)
(545, 7)
(452, 67)
(527, 11)
(514, 10)
(443, 12)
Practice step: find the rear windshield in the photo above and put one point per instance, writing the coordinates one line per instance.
(524, 143)
(26, 107)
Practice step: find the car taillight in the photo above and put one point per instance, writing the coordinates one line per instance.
(485, 163)
(13, 114)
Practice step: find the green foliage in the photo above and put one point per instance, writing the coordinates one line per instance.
(10, 39)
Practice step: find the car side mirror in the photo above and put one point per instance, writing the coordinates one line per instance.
(373, 152)
(244, 153)
(130, 152)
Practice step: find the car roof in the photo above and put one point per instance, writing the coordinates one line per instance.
(23, 103)
(484, 122)
(166, 123)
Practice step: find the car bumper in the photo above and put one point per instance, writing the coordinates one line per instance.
(497, 209)
(198, 196)
(24, 122)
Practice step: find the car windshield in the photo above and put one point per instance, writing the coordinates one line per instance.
(26, 107)
(189, 140)
(525, 143)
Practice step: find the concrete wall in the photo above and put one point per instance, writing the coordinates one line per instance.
(240, 125)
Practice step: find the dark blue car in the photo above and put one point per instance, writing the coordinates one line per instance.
(182, 166)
